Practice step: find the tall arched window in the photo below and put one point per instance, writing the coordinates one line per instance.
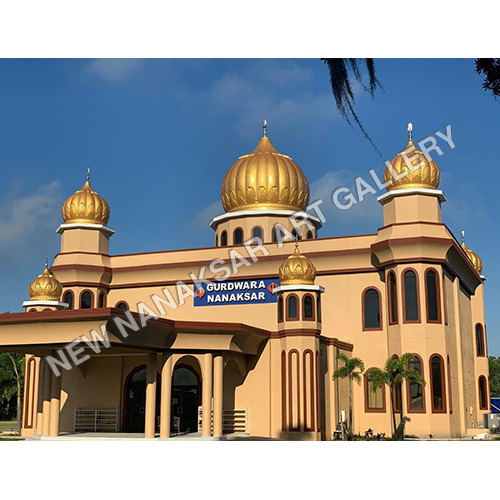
(86, 300)
(123, 306)
(479, 340)
(257, 232)
(308, 307)
(292, 307)
(238, 236)
(371, 310)
(374, 396)
(101, 300)
(310, 235)
(223, 239)
(415, 392)
(432, 296)
(280, 309)
(393, 299)
(483, 393)
(69, 299)
(410, 287)
(437, 384)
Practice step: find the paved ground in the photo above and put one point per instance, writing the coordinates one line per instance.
(126, 436)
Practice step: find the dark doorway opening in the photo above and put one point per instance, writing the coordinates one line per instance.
(186, 398)
(135, 401)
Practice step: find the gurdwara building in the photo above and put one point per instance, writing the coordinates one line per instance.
(244, 337)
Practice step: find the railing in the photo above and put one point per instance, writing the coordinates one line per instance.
(97, 420)
(233, 421)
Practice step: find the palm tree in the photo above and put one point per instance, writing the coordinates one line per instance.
(352, 370)
(395, 371)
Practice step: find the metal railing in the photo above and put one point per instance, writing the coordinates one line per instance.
(97, 420)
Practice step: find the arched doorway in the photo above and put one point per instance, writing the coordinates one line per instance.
(186, 398)
(135, 401)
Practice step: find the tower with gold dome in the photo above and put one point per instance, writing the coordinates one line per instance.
(45, 293)
(265, 195)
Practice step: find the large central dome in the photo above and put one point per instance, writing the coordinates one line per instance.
(265, 180)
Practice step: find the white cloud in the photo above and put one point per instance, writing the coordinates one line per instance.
(115, 70)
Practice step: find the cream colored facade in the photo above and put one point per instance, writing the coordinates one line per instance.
(245, 359)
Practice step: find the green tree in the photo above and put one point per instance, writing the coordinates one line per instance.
(11, 381)
(394, 373)
(352, 370)
(494, 376)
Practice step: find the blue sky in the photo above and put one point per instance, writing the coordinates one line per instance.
(159, 136)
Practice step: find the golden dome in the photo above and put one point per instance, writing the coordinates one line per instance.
(424, 175)
(265, 179)
(86, 206)
(45, 287)
(297, 270)
(474, 258)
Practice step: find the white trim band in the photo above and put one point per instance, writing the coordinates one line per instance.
(306, 288)
(84, 225)
(265, 213)
(405, 192)
(52, 303)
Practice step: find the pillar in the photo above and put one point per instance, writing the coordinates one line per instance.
(46, 393)
(218, 394)
(39, 411)
(166, 395)
(206, 403)
(55, 404)
(150, 418)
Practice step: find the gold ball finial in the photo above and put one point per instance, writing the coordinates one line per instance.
(477, 262)
(45, 286)
(297, 269)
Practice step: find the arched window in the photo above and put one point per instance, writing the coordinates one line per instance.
(374, 396)
(393, 299)
(371, 309)
(277, 234)
(238, 236)
(257, 232)
(483, 395)
(292, 309)
(479, 340)
(69, 299)
(223, 239)
(410, 287)
(280, 309)
(86, 300)
(432, 296)
(415, 392)
(101, 300)
(310, 235)
(297, 235)
(437, 384)
(123, 306)
(318, 308)
(308, 307)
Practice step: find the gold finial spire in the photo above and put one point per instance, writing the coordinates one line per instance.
(88, 174)
(264, 127)
(46, 262)
(463, 237)
(410, 130)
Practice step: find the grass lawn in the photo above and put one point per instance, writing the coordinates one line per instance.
(12, 424)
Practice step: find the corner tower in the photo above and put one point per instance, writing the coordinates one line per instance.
(260, 194)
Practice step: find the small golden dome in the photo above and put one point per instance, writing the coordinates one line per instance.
(474, 258)
(297, 270)
(86, 206)
(425, 173)
(45, 287)
(265, 179)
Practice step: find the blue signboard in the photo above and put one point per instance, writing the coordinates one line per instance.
(226, 293)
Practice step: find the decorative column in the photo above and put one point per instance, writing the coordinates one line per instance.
(149, 427)
(39, 411)
(218, 394)
(206, 404)
(47, 383)
(166, 395)
(55, 405)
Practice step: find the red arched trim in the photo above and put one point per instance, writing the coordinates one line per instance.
(290, 389)
(438, 296)
(405, 320)
(443, 383)
(261, 232)
(363, 310)
(29, 393)
(242, 236)
(408, 395)
(309, 425)
(72, 298)
(392, 320)
(283, 391)
(288, 317)
(92, 303)
(103, 295)
(223, 236)
(367, 388)
(313, 318)
(122, 302)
